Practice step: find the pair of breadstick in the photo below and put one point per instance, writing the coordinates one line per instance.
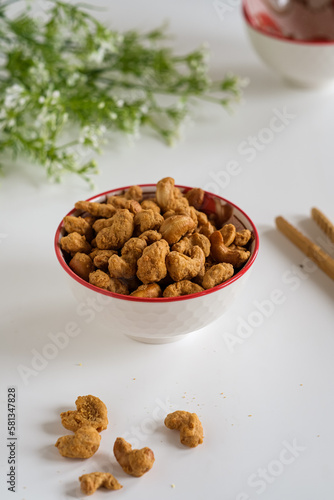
(313, 251)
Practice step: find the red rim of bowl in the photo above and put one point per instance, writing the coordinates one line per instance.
(119, 296)
(281, 37)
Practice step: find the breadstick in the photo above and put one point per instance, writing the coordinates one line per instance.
(313, 251)
(325, 224)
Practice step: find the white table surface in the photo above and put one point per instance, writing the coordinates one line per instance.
(267, 401)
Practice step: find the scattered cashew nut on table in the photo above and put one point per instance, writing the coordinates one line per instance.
(189, 425)
(82, 444)
(91, 411)
(89, 483)
(133, 462)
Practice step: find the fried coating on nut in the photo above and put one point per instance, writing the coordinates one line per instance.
(242, 237)
(189, 425)
(229, 232)
(222, 253)
(183, 267)
(150, 205)
(100, 278)
(147, 220)
(89, 483)
(204, 225)
(77, 225)
(133, 462)
(117, 201)
(102, 223)
(117, 286)
(184, 287)
(101, 258)
(217, 274)
(150, 236)
(89, 219)
(189, 211)
(165, 192)
(120, 231)
(152, 264)
(83, 444)
(133, 206)
(151, 291)
(173, 228)
(82, 265)
(179, 204)
(96, 209)
(195, 197)
(91, 411)
(74, 242)
(134, 193)
(187, 244)
(126, 265)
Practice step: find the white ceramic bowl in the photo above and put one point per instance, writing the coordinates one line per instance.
(308, 64)
(160, 320)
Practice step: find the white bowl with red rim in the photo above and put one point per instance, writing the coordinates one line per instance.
(165, 319)
(299, 58)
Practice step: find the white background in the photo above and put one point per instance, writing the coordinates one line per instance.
(269, 391)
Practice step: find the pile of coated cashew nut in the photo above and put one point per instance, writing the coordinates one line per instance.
(164, 246)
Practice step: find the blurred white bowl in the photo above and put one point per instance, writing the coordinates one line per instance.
(160, 320)
(302, 63)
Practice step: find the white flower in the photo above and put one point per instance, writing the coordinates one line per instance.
(13, 96)
(73, 79)
(101, 105)
(120, 103)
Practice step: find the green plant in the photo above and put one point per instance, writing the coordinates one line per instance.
(66, 68)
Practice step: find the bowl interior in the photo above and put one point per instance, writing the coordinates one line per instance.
(225, 211)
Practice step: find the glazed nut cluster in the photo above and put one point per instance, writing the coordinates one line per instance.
(90, 418)
(156, 247)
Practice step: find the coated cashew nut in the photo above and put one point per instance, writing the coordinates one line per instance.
(83, 444)
(89, 483)
(184, 287)
(150, 205)
(242, 237)
(133, 462)
(152, 264)
(120, 231)
(90, 411)
(222, 253)
(173, 228)
(204, 225)
(187, 244)
(217, 274)
(82, 265)
(151, 291)
(150, 236)
(189, 425)
(74, 242)
(78, 225)
(146, 220)
(195, 197)
(96, 209)
(165, 192)
(181, 267)
(126, 265)
(102, 280)
(228, 232)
